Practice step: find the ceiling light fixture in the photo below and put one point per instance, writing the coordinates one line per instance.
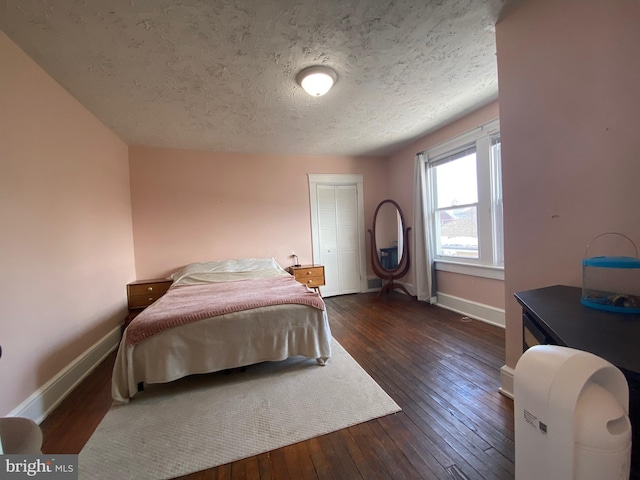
(317, 80)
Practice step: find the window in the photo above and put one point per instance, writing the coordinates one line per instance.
(466, 198)
(455, 181)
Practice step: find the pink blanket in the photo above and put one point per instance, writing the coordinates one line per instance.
(186, 304)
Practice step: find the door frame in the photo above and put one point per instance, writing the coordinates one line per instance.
(339, 180)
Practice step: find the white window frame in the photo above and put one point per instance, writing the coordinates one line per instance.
(490, 261)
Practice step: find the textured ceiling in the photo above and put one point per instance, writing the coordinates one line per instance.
(220, 75)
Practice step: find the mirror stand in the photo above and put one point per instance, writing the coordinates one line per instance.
(402, 267)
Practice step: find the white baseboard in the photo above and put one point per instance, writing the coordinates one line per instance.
(479, 311)
(41, 402)
(506, 381)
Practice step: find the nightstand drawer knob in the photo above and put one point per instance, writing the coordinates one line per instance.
(151, 299)
(309, 281)
(309, 272)
(150, 289)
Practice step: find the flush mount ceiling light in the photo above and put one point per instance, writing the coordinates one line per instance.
(317, 80)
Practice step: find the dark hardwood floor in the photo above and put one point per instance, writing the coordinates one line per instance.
(442, 370)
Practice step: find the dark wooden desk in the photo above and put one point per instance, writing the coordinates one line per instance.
(555, 316)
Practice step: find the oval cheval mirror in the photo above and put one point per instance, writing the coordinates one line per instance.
(390, 257)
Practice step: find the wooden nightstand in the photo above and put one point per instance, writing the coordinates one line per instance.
(142, 293)
(311, 275)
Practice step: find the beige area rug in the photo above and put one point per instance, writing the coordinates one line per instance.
(208, 420)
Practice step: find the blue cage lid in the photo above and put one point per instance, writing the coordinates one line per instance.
(612, 262)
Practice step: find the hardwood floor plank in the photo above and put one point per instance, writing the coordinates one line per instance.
(347, 468)
(293, 465)
(333, 461)
(320, 463)
(414, 447)
(279, 464)
(443, 372)
(224, 472)
(394, 459)
(251, 467)
(366, 458)
(305, 462)
(238, 470)
(265, 470)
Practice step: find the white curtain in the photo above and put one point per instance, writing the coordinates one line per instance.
(423, 265)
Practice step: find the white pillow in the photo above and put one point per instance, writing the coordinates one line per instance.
(205, 272)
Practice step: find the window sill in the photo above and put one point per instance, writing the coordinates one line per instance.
(484, 271)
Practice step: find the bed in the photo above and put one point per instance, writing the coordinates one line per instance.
(217, 316)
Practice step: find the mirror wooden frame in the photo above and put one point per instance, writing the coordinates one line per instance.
(403, 264)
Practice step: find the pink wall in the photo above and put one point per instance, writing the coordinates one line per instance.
(400, 170)
(569, 76)
(475, 289)
(66, 237)
(193, 206)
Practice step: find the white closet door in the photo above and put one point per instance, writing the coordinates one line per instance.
(348, 252)
(328, 238)
(338, 238)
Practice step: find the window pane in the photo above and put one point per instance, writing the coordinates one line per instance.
(496, 166)
(457, 182)
(457, 232)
